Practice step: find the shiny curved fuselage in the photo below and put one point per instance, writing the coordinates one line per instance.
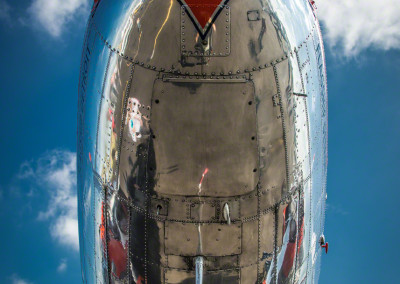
(202, 142)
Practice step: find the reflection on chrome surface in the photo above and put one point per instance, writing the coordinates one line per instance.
(202, 142)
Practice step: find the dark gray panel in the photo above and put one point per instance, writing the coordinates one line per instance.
(204, 129)
(202, 239)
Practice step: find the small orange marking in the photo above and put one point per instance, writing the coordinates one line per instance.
(202, 177)
(90, 157)
(102, 225)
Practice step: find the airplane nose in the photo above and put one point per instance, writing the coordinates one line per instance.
(206, 144)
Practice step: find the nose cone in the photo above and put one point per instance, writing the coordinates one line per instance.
(193, 37)
(202, 142)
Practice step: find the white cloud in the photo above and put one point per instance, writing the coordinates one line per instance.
(15, 279)
(337, 209)
(55, 171)
(55, 15)
(5, 11)
(354, 25)
(63, 266)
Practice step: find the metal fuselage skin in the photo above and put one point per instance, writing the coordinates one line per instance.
(202, 142)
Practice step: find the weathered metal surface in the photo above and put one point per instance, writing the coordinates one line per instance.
(202, 140)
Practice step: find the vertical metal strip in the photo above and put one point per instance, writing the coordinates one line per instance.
(276, 223)
(299, 216)
(100, 103)
(145, 238)
(94, 223)
(283, 124)
(309, 151)
(128, 262)
(106, 218)
(123, 119)
(199, 270)
(259, 232)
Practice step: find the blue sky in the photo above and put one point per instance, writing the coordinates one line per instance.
(40, 56)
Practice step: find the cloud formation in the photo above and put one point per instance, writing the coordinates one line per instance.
(55, 172)
(55, 15)
(62, 266)
(15, 279)
(5, 10)
(354, 25)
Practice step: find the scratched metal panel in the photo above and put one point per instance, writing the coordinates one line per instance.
(255, 40)
(287, 106)
(248, 274)
(144, 32)
(204, 129)
(270, 138)
(249, 253)
(188, 239)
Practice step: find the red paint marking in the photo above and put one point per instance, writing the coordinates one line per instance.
(288, 259)
(203, 9)
(301, 236)
(284, 220)
(90, 157)
(326, 245)
(102, 225)
(95, 4)
(140, 280)
(117, 255)
(202, 177)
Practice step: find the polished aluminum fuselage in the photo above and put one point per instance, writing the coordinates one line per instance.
(202, 151)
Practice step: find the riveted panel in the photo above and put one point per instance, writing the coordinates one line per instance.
(159, 207)
(179, 262)
(222, 262)
(249, 205)
(110, 123)
(175, 276)
(248, 274)
(202, 211)
(204, 138)
(187, 239)
(267, 233)
(217, 42)
(249, 243)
